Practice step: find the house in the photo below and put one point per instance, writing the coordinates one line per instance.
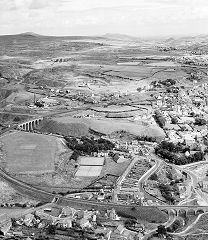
(113, 215)
(103, 154)
(189, 140)
(5, 223)
(187, 119)
(66, 223)
(28, 219)
(120, 229)
(84, 223)
(80, 214)
(204, 184)
(94, 218)
(101, 197)
(67, 211)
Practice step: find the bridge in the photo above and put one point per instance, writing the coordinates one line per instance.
(30, 124)
(192, 209)
(62, 59)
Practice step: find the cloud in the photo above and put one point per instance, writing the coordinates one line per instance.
(136, 17)
(7, 5)
(38, 4)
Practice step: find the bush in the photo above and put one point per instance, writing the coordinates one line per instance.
(200, 121)
(159, 119)
(153, 177)
(51, 229)
(174, 120)
(169, 152)
(75, 155)
(88, 145)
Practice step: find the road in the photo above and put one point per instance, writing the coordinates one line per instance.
(144, 178)
(48, 197)
(157, 165)
(186, 231)
(140, 181)
(172, 218)
(121, 179)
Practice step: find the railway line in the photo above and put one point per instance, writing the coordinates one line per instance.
(50, 197)
(47, 196)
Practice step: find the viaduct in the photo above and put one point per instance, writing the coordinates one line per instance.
(183, 209)
(30, 125)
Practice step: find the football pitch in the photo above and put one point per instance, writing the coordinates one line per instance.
(29, 152)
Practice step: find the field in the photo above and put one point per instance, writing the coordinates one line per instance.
(201, 226)
(89, 171)
(114, 108)
(91, 161)
(30, 153)
(105, 126)
(90, 167)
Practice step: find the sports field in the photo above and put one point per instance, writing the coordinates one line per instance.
(30, 153)
(89, 171)
(92, 161)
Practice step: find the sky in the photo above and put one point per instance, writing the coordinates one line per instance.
(142, 18)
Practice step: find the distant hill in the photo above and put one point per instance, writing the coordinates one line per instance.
(123, 37)
(169, 40)
(32, 34)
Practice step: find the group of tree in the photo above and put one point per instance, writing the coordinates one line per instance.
(161, 233)
(171, 147)
(159, 118)
(169, 192)
(175, 153)
(153, 177)
(146, 138)
(87, 145)
(175, 225)
(200, 121)
(172, 89)
(174, 120)
(114, 156)
(164, 83)
(168, 82)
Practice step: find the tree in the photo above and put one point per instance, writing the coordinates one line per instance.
(174, 120)
(159, 118)
(198, 156)
(51, 229)
(192, 114)
(17, 119)
(129, 222)
(153, 177)
(200, 121)
(75, 155)
(168, 146)
(161, 230)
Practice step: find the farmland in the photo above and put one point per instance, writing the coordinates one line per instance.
(105, 126)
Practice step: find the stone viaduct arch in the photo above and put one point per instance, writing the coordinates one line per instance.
(30, 125)
(187, 210)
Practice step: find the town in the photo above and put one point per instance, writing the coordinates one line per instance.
(103, 135)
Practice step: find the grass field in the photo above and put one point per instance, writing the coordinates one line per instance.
(89, 171)
(107, 126)
(30, 153)
(201, 226)
(115, 108)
